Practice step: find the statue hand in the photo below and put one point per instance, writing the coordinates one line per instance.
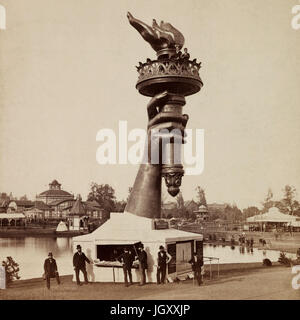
(157, 101)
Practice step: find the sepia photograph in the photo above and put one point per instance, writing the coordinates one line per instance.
(150, 150)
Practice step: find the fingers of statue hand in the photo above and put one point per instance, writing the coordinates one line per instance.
(152, 112)
(173, 131)
(160, 99)
(167, 117)
(155, 102)
(167, 128)
(161, 95)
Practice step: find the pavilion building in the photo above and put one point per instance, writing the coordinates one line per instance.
(54, 193)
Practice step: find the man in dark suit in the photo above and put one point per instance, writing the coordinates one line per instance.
(79, 260)
(197, 264)
(163, 258)
(50, 268)
(142, 257)
(127, 259)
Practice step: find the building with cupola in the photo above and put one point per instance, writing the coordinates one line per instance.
(54, 193)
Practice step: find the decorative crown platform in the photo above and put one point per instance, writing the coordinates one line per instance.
(178, 76)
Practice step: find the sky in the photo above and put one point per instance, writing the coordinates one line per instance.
(67, 70)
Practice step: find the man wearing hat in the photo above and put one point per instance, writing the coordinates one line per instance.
(79, 260)
(197, 265)
(163, 258)
(142, 257)
(50, 268)
(127, 259)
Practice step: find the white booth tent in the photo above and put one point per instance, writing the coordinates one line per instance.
(61, 227)
(273, 215)
(126, 229)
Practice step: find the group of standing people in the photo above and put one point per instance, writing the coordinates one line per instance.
(243, 240)
(126, 258)
(79, 260)
(162, 261)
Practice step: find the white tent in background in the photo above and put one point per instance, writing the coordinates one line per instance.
(61, 227)
(273, 215)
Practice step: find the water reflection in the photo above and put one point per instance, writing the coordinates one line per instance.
(63, 243)
(31, 253)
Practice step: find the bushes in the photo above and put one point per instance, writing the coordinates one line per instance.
(11, 270)
(283, 259)
(267, 262)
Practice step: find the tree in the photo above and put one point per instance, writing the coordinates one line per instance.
(233, 213)
(11, 270)
(104, 194)
(180, 201)
(268, 202)
(5, 196)
(181, 210)
(288, 204)
(24, 198)
(163, 199)
(201, 196)
(250, 212)
(129, 191)
(120, 206)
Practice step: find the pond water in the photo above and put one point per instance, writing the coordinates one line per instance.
(238, 254)
(31, 252)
